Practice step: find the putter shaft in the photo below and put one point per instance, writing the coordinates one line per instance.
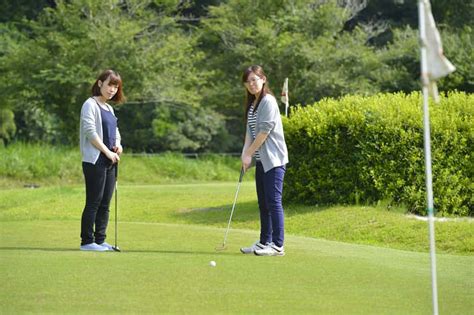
(231, 214)
(116, 248)
(233, 207)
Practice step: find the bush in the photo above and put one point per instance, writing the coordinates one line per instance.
(368, 149)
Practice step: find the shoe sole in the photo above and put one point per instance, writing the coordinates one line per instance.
(273, 254)
(103, 249)
(108, 249)
(94, 250)
(245, 253)
(249, 252)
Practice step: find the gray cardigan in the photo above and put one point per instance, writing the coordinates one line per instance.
(273, 151)
(90, 127)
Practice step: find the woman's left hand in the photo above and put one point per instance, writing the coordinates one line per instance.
(246, 161)
(118, 149)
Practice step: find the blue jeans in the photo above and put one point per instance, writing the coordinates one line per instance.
(269, 193)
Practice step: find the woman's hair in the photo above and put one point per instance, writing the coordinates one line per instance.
(258, 71)
(115, 79)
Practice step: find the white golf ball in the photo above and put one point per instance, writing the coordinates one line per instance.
(212, 263)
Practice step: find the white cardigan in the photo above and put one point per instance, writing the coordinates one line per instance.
(90, 127)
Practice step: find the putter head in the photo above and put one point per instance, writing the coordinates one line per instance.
(221, 247)
(116, 249)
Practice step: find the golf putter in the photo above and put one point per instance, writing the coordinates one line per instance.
(115, 247)
(224, 246)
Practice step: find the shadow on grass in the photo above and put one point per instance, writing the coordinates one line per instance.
(190, 252)
(243, 212)
(43, 249)
(143, 251)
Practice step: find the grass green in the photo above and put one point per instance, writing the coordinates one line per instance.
(164, 269)
(173, 212)
(208, 203)
(168, 234)
(44, 164)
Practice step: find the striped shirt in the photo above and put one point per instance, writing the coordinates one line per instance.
(252, 121)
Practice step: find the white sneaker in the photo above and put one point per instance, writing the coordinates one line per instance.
(252, 248)
(106, 245)
(270, 250)
(94, 247)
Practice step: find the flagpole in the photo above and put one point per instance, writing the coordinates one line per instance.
(285, 97)
(427, 144)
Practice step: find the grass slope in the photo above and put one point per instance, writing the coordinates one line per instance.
(210, 203)
(164, 269)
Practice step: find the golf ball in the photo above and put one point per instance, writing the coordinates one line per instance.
(212, 263)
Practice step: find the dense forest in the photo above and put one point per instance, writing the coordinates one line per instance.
(181, 61)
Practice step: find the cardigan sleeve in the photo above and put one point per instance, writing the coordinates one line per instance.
(267, 114)
(88, 121)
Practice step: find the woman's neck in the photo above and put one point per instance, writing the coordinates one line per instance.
(101, 100)
(257, 96)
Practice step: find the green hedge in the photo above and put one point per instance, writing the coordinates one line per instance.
(370, 149)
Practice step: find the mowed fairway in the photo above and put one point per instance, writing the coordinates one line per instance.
(164, 267)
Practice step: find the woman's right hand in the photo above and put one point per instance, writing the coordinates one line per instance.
(114, 157)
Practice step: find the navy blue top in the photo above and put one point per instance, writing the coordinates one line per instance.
(109, 129)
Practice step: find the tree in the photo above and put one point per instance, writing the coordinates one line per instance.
(53, 65)
(302, 40)
(311, 43)
(19, 9)
(191, 54)
(459, 48)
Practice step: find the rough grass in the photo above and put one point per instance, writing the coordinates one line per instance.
(42, 164)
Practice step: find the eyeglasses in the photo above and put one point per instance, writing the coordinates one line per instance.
(254, 80)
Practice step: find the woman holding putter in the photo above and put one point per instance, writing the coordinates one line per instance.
(100, 149)
(265, 142)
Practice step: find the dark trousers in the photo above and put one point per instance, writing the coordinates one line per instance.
(269, 193)
(100, 184)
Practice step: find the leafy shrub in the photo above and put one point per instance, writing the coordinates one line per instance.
(368, 149)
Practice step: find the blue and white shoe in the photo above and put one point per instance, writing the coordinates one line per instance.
(94, 247)
(270, 250)
(106, 245)
(251, 249)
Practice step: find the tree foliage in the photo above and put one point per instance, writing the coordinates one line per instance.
(181, 61)
(18, 9)
(68, 46)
